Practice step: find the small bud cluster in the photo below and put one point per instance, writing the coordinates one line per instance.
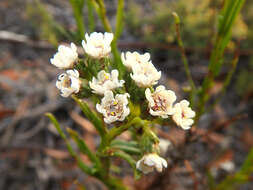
(105, 82)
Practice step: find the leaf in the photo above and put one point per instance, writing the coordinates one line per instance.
(83, 147)
(77, 7)
(92, 116)
(126, 157)
(57, 125)
(80, 163)
(128, 147)
(90, 15)
(227, 18)
(44, 23)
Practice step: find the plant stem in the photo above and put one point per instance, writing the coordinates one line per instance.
(228, 15)
(101, 11)
(116, 131)
(114, 184)
(77, 7)
(90, 16)
(184, 58)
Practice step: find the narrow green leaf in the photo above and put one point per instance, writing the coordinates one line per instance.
(77, 7)
(128, 147)
(119, 27)
(91, 19)
(125, 143)
(83, 147)
(227, 18)
(46, 25)
(80, 163)
(183, 56)
(56, 124)
(119, 19)
(126, 157)
(92, 116)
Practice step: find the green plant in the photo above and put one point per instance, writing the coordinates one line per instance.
(131, 92)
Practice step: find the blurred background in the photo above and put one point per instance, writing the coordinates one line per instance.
(33, 156)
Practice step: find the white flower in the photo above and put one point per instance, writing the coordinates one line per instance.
(183, 114)
(105, 81)
(68, 83)
(114, 109)
(65, 57)
(161, 101)
(145, 75)
(150, 161)
(98, 45)
(129, 59)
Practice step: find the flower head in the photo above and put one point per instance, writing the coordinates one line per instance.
(145, 75)
(65, 57)
(68, 83)
(150, 161)
(114, 109)
(183, 114)
(129, 59)
(105, 81)
(161, 101)
(98, 45)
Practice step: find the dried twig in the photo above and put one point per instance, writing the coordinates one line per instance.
(20, 38)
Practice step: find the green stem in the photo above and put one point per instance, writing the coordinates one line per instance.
(119, 19)
(184, 58)
(116, 131)
(92, 116)
(80, 163)
(228, 15)
(77, 7)
(114, 184)
(90, 16)
(101, 11)
(84, 148)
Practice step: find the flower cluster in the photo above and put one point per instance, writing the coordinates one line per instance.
(114, 98)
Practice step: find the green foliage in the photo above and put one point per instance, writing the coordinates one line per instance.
(92, 116)
(144, 139)
(226, 20)
(131, 147)
(48, 29)
(77, 7)
(198, 20)
(90, 16)
(80, 163)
